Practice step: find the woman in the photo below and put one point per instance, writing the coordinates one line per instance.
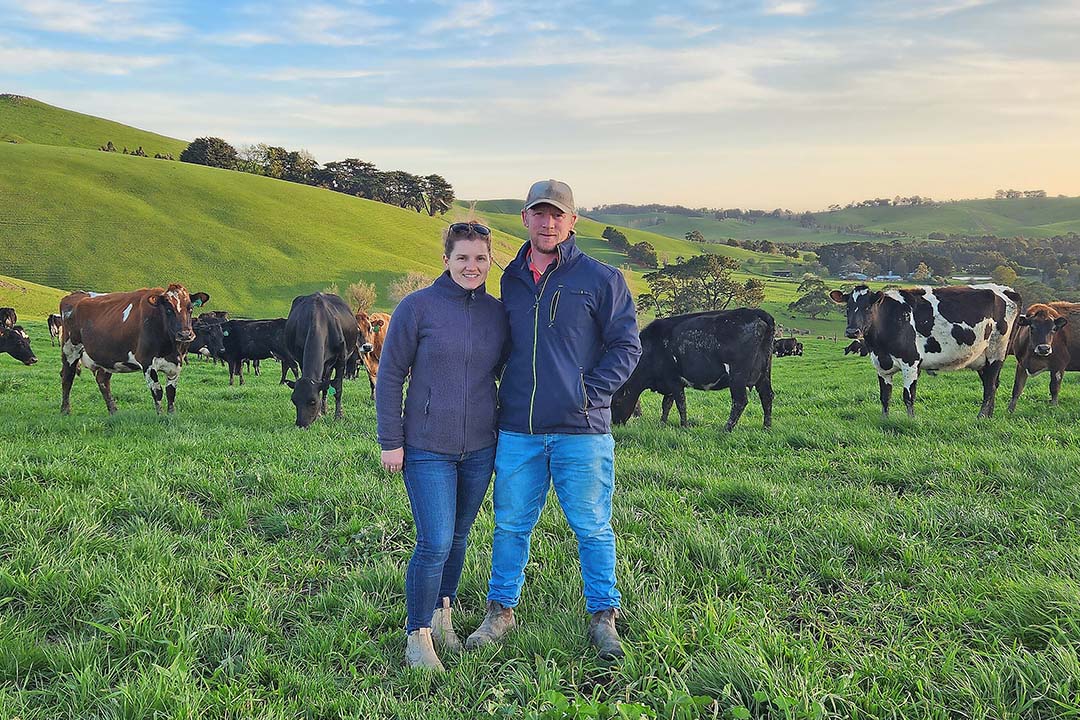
(450, 337)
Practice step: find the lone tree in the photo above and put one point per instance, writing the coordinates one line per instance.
(695, 236)
(361, 296)
(815, 300)
(702, 282)
(643, 253)
(212, 151)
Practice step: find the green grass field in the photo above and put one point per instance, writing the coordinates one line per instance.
(676, 226)
(83, 219)
(25, 120)
(222, 563)
(31, 301)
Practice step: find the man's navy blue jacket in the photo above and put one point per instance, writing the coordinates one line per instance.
(573, 343)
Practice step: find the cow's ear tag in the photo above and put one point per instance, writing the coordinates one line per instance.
(198, 302)
(332, 391)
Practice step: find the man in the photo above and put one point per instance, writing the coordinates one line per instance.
(573, 343)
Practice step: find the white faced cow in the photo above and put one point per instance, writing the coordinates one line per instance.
(933, 329)
(145, 331)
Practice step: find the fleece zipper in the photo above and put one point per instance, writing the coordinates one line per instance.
(536, 335)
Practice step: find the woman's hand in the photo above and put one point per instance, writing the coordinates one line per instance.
(393, 460)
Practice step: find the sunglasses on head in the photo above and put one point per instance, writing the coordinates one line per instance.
(464, 227)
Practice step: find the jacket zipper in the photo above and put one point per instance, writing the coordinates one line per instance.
(554, 306)
(536, 334)
(465, 389)
(584, 393)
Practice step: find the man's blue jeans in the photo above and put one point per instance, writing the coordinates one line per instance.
(582, 469)
(445, 492)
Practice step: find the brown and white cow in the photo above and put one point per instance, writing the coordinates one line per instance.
(145, 331)
(373, 329)
(932, 329)
(1046, 338)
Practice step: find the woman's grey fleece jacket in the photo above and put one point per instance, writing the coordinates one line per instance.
(451, 339)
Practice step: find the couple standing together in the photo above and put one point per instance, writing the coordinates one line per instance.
(561, 342)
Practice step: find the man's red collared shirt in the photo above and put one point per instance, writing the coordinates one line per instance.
(536, 272)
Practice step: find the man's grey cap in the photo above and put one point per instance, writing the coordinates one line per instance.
(552, 192)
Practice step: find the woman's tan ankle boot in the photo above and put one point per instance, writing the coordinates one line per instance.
(442, 629)
(419, 652)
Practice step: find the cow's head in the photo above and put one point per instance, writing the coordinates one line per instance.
(306, 396)
(862, 304)
(1042, 322)
(209, 339)
(16, 342)
(176, 305)
(369, 328)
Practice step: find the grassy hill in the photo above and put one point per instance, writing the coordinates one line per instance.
(1043, 217)
(30, 300)
(25, 120)
(84, 219)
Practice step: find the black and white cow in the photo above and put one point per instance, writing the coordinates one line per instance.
(56, 324)
(933, 329)
(16, 343)
(8, 317)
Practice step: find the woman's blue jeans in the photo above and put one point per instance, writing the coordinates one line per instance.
(445, 492)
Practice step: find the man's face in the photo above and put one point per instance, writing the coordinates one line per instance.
(548, 226)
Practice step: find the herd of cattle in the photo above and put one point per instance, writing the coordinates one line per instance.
(905, 332)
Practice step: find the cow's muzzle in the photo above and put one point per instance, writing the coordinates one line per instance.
(366, 348)
(185, 336)
(1043, 350)
(31, 360)
(853, 333)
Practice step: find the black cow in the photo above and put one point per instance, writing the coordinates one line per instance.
(15, 342)
(255, 340)
(932, 329)
(706, 351)
(856, 346)
(321, 333)
(783, 347)
(209, 338)
(56, 325)
(8, 318)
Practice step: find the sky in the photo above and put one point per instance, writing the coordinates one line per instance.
(796, 104)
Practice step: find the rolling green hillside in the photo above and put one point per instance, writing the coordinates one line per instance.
(30, 300)
(677, 226)
(84, 219)
(25, 120)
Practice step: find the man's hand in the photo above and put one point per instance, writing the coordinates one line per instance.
(393, 460)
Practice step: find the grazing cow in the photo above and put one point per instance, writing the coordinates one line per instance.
(15, 342)
(856, 346)
(56, 324)
(706, 351)
(145, 331)
(783, 347)
(320, 332)
(925, 328)
(8, 318)
(256, 340)
(372, 330)
(1046, 339)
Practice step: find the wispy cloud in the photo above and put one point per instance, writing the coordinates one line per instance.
(788, 7)
(316, 24)
(293, 74)
(95, 18)
(21, 60)
(476, 16)
(683, 25)
(927, 9)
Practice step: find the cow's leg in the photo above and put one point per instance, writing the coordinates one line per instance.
(765, 393)
(371, 379)
(665, 408)
(1018, 385)
(240, 371)
(67, 376)
(1055, 384)
(884, 392)
(339, 377)
(255, 366)
(910, 374)
(155, 388)
(231, 371)
(104, 382)
(990, 374)
(637, 409)
(170, 389)
(284, 370)
(738, 402)
(680, 405)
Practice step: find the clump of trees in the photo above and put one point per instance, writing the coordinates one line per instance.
(1011, 194)
(703, 282)
(815, 300)
(430, 194)
(138, 152)
(361, 296)
(642, 253)
(408, 283)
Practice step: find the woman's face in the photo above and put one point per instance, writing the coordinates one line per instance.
(468, 263)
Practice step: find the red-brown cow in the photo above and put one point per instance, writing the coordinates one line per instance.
(373, 329)
(145, 331)
(1047, 338)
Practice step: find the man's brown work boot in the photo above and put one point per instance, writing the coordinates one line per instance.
(442, 630)
(420, 653)
(498, 621)
(604, 636)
